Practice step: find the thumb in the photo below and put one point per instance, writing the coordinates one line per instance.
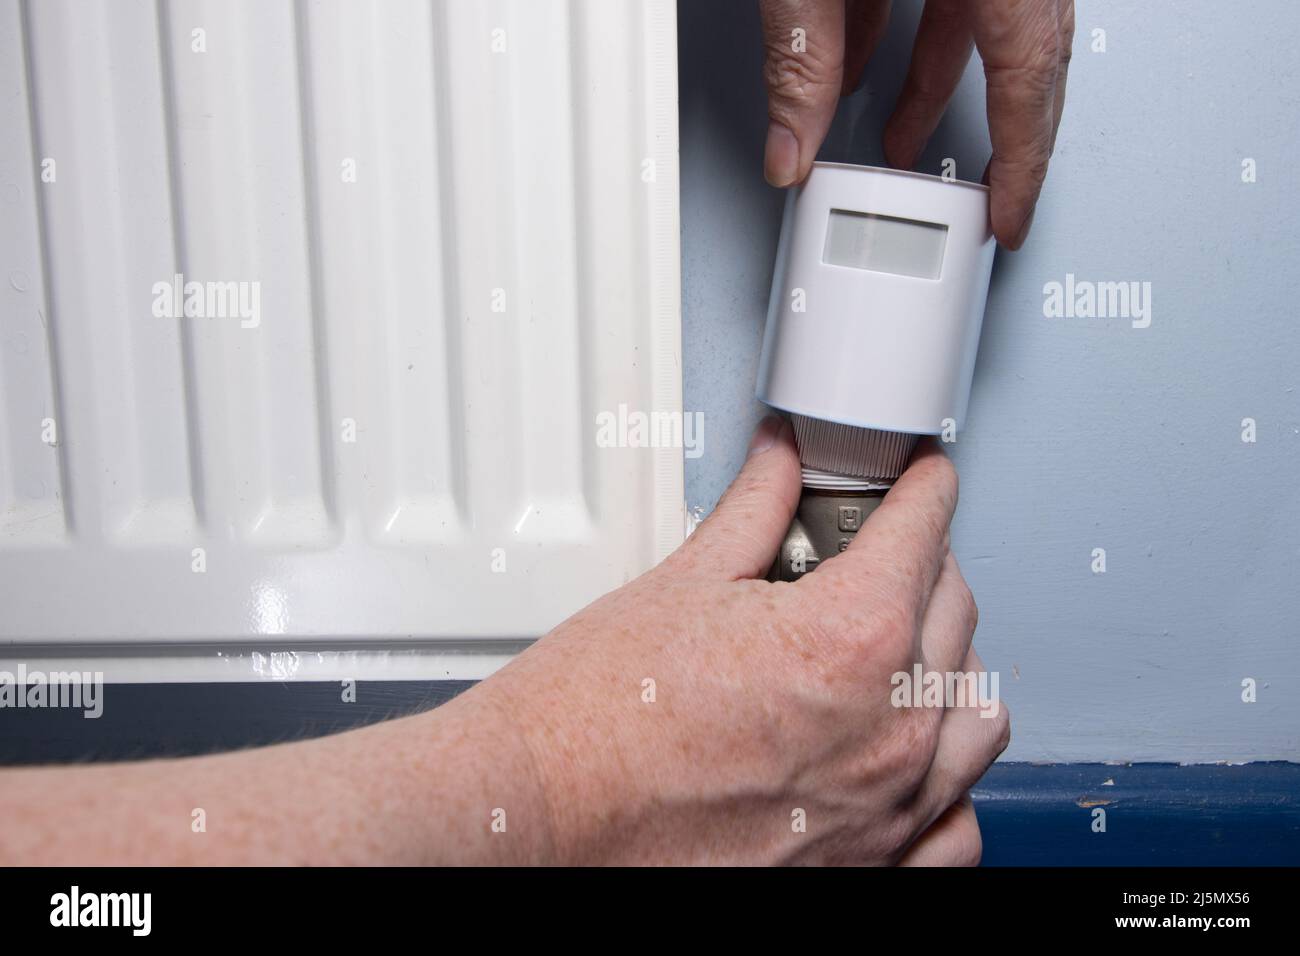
(803, 68)
(741, 537)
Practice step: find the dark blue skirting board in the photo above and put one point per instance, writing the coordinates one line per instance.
(1156, 814)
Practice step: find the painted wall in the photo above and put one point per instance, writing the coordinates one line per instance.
(1083, 433)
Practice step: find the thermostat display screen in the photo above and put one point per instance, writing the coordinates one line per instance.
(904, 247)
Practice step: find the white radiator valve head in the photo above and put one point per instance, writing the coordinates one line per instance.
(874, 320)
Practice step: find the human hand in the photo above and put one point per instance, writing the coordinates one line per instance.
(767, 698)
(770, 704)
(1024, 44)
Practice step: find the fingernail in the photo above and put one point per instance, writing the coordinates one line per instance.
(781, 155)
(1023, 232)
(858, 84)
(893, 143)
(765, 435)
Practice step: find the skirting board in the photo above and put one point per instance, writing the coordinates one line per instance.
(1155, 814)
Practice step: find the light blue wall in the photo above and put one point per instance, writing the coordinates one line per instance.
(1083, 433)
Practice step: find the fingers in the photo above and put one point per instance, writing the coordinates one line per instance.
(1019, 42)
(897, 556)
(939, 56)
(953, 840)
(803, 69)
(950, 620)
(741, 537)
(865, 22)
(970, 738)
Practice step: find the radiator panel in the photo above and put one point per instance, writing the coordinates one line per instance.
(440, 240)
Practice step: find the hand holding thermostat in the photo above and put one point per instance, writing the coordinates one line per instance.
(817, 49)
(695, 715)
(767, 732)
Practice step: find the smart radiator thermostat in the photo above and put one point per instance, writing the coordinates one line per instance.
(877, 299)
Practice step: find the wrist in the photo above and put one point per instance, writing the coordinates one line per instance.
(576, 743)
(475, 791)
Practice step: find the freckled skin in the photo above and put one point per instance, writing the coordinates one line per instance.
(770, 698)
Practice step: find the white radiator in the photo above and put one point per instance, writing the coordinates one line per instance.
(425, 246)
